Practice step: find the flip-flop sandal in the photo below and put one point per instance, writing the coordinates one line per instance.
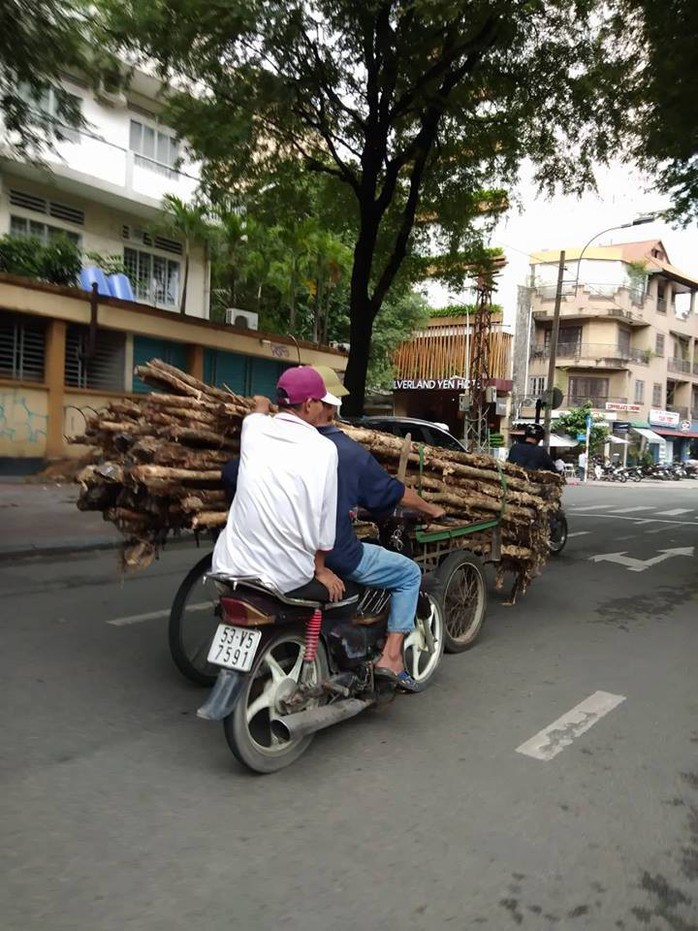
(406, 683)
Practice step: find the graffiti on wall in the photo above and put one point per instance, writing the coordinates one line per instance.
(21, 421)
(75, 419)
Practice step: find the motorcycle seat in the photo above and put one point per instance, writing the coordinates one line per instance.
(311, 595)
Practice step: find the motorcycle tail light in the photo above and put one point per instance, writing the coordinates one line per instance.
(243, 614)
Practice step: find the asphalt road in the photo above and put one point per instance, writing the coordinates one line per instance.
(122, 810)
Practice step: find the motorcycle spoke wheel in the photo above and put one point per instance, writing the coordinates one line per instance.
(420, 662)
(273, 678)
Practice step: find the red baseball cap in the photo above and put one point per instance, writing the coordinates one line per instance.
(301, 384)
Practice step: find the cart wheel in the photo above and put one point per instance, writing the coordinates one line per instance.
(465, 600)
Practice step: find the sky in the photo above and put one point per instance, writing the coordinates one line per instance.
(565, 221)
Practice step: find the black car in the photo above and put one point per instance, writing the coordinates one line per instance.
(422, 431)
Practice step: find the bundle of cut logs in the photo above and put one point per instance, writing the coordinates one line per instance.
(158, 460)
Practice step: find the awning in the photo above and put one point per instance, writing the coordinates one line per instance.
(618, 439)
(561, 441)
(669, 434)
(649, 435)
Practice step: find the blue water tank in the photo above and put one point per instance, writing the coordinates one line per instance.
(88, 276)
(120, 286)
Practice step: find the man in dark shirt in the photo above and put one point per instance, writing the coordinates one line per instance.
(363, 482)
(529, 454)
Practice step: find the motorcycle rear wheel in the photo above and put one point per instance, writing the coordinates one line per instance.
(248, 728)
(419, 661)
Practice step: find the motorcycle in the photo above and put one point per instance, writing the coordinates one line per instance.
(607, 472)
(558, 532)
(293, 664)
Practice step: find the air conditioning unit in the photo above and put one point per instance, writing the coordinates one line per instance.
(244, 319)
(490, 394)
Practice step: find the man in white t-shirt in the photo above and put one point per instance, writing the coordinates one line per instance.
(282, 519)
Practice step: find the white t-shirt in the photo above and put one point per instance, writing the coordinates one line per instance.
(285, 505)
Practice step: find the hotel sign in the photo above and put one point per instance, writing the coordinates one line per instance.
(617, 406)
(664, 418)
(430, 384)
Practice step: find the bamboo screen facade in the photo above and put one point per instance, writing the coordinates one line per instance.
(440, 352)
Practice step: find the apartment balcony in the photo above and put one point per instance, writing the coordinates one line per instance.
(598, 402)
(574, 312)
(116, 176)
(681, 366)
(595, 355)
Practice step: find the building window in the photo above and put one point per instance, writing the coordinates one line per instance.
(155, 280)
(661, 298)
(586, 388)
(656, 395)
(639, 391)
(536, 385)
(104, 369)
(154, 148)
(659, 344)
(47, 105)
(21, 226)
(22, 347)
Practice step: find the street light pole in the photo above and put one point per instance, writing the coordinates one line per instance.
(639, 221)
(553, 350)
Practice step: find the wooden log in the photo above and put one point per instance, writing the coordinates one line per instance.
(207, 519)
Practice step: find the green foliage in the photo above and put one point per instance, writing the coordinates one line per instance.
(575, 422)
(57, 261)
(110, 263)
(189, 222)
(460, 310)
(663, 97)
(397, 320)
(41, 40)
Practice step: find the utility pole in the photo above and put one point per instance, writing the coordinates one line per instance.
(553, 350)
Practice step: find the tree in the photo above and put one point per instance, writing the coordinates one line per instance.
(39, 41)
(574, 423)
(190, 222)
(413, 107)
(662, 103)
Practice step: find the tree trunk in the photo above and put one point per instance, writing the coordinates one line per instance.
(183, 302)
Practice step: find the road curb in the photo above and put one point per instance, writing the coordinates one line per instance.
(66, 547)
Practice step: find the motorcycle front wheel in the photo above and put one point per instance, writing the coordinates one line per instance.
(193, 622)
(273, 677)
(558, 533)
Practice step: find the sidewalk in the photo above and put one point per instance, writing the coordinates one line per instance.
(43, 519)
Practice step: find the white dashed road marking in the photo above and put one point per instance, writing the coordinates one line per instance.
(592, 507)
(578, 533)
(547, 743)
(154, 615)
(645, 507)
(675, 512)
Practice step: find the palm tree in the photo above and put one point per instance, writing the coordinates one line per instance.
(188, 221)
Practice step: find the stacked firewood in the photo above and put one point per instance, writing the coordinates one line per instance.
(158, 461)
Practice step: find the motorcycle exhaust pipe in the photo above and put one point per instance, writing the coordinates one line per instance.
(304, 723)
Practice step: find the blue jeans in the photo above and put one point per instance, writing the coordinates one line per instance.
(381, 568)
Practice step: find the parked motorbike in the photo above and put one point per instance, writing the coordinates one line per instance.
(607, 472)
(633, 473)
(293, 664)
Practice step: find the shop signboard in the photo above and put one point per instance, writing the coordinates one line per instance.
(685, 425)
(430, 384)
(621, 406)
(664, 418)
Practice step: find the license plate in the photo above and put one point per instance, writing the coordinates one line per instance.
(234, 647)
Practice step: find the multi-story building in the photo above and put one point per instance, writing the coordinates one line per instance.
(103, 188)
(628, 341)
(64, 352)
